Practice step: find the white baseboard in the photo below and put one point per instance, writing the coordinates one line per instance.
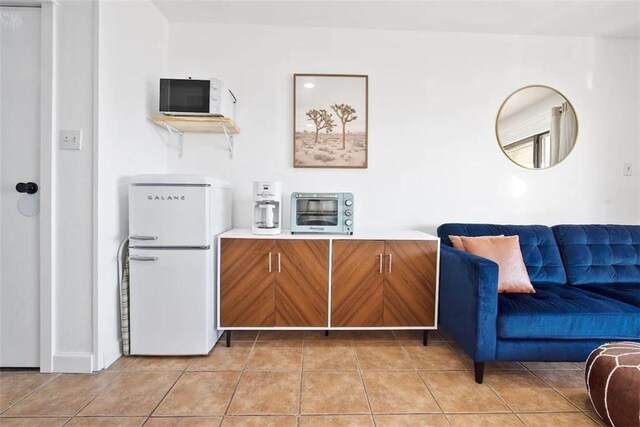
(111, 356)
(73, 362)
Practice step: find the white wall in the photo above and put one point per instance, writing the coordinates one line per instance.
(133, 40)
(433, 155)
(433, 98)
(73, 169)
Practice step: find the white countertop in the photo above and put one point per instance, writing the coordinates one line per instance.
(372, 234)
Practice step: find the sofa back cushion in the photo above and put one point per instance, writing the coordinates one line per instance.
(539, 249)
(600, 254)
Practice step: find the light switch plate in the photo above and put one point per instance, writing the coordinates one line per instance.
(71, 139)
(627, 169)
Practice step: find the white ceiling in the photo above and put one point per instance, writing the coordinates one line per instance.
(610, 18)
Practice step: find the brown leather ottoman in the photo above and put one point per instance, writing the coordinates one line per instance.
(612, 375)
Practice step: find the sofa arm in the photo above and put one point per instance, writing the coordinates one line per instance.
(468, 306)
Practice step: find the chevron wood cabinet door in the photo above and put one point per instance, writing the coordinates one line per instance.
(247, 282)
(357, 297)
(302, 283)
(410, 283)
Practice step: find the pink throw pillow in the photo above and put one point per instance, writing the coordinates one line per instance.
(456, 241)
(504, 251)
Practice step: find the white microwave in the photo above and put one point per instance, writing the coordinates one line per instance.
(190, 97)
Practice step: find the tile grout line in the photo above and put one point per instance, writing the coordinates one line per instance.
(550, 386)
(54, 377)
(484, 383)
(433, 396)
(554, 389)
(108, 386)
(364, 384)
(361, 376)
(299, 414)
(168, 390)
(242, 372)
(422, 379)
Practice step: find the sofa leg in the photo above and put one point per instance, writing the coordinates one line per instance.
(478, 368)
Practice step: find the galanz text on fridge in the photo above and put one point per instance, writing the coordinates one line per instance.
(165, 197)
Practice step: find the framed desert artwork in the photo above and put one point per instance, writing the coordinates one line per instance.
(330, 120)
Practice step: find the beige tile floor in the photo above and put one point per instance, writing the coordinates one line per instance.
(363, 378)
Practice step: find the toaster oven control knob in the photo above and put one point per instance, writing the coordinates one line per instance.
(348, 223)
(348, 212)
(348, 202)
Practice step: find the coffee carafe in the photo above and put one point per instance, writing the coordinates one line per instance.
(267, 203)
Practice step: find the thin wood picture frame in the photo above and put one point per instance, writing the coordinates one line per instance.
(331, 121)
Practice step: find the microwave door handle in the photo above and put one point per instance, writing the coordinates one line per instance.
(141, 237)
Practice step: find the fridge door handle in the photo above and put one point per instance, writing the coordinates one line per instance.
(141, 237)
(143, 258)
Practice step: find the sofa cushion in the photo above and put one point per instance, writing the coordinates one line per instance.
(600, 254)
(628, 293)
(539, 249)
(565, 312)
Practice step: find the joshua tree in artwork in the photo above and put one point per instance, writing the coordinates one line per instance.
(346, 114)
(322, 119)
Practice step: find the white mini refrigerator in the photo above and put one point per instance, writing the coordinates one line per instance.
(173, 224)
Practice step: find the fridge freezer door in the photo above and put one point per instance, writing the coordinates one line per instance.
(171, 301)
(169, 215)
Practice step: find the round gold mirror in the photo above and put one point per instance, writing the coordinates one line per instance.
(536, 127)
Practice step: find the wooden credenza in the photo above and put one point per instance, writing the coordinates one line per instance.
(365, 281)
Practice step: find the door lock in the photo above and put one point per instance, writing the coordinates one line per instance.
(29, 187)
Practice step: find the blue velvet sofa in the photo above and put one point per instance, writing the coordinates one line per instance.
(587, 282)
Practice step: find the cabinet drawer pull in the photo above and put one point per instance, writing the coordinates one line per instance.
(380, 266)
(279, 263)
(390, 262)
(269, 262)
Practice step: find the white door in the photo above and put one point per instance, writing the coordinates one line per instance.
(19, 163)
(171, 301)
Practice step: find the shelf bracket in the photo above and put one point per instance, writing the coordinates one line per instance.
(177, 136)
(229, 139)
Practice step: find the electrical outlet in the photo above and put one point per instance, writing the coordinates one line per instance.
(627, 169)
(71, 139)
